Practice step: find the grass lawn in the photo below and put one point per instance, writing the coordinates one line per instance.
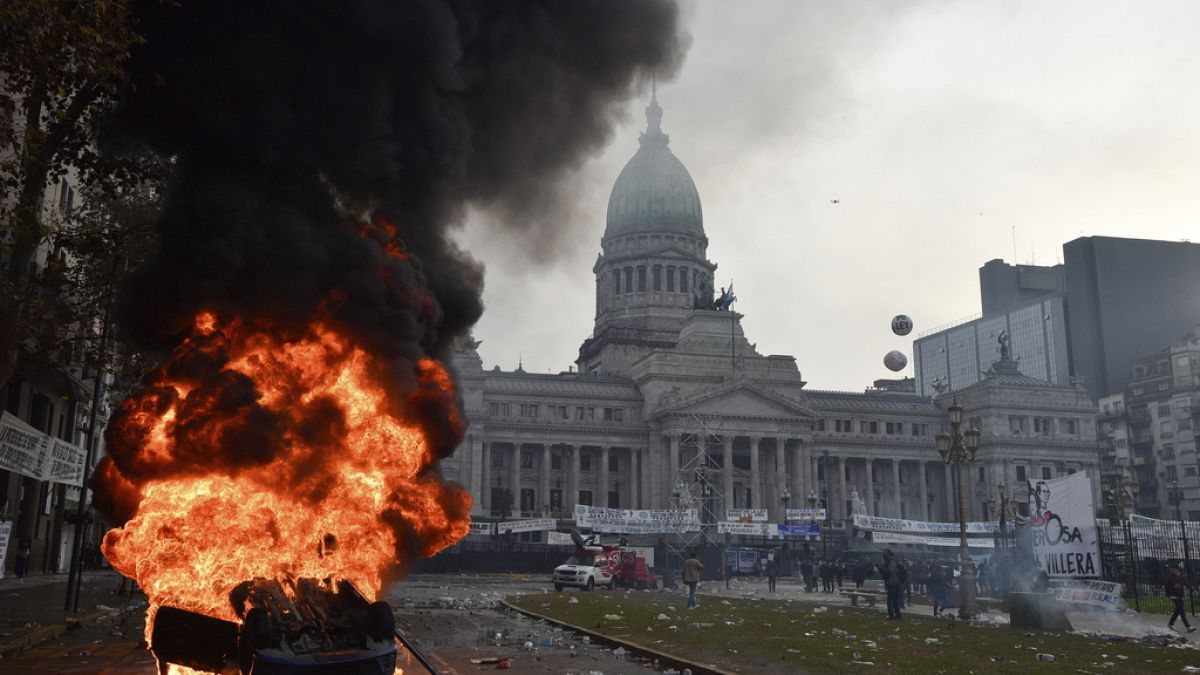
(772, 636)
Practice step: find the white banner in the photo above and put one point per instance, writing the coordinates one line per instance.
(805, 514)
(531, 525)
(746, 515)
(1091, 594)
(1063, 520)
(559, 539)
(749, 529)
(638, 521)
(29, 452)
(900, 525)
(926, 540)
(5, 535)
(481, 530)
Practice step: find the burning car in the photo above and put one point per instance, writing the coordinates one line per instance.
(286, 626)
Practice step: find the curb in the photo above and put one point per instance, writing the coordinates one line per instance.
(633, 647)
(37, 636)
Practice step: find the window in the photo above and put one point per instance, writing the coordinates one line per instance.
(1164, 410)
(1163, 386)
(843, 426)
(1016, 424)
(628, 279)
(1041, 425)
(1189, 471)
(499, 409)
(585, 497)
(1021, 474)
(591, 413)
(585, 462)
(1172, 473)
(1187, 447)
(1067, 425)
(497, 460)
(529, 410)
(1168, 451)
(1185, 424)
(616, 277)
(526, 460)
(1183, 403)
(865, 427)
(981, 474)
(1166, 429)
(656, 277)
(614, 414)
(894, 428)
(670, 279)
(614, 463)
(1183, 381)
(683, 280)
(641, 278)
(1046, 473)
(556, 461)
(820, 425)
(579, 415)
(1137, 391)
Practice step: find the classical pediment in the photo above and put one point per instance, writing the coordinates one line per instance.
(740, 399)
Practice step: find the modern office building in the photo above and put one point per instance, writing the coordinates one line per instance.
(1112, 301)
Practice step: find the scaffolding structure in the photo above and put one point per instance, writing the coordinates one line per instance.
(697, 485)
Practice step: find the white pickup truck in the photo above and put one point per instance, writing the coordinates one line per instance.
(587, 568)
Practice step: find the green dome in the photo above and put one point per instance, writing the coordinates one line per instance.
(654, 193)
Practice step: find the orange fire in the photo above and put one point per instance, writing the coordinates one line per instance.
(259, 455)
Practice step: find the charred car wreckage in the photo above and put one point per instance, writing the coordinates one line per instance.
(287, 626)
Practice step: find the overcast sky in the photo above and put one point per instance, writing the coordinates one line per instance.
(938, 127)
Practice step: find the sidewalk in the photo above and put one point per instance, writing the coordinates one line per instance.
(31, 610)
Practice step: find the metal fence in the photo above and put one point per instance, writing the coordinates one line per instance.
(1139, 552)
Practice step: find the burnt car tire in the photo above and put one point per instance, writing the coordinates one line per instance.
(381, 623)
(255, 634)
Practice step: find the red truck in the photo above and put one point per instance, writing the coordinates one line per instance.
(607, 565)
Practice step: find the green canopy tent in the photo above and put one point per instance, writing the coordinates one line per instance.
(865, 549)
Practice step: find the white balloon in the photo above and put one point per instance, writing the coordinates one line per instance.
(902, 324)
(895, 361)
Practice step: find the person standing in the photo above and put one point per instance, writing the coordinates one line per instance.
(23, 555)
(839, 569)
(860, 574)
(1175, 585)
(889, 569)
(772, 572)
(937, 589)
(806, 571)
(691, 576)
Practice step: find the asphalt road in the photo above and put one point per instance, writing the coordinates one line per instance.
(451, 618)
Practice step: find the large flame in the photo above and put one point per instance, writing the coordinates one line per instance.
(342, 493)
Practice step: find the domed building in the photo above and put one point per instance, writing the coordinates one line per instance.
(670, 406)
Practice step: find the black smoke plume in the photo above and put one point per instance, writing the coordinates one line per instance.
(290, 121)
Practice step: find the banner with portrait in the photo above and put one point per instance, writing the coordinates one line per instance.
(1062, 521)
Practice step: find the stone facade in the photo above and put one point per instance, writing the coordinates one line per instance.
(668, 390)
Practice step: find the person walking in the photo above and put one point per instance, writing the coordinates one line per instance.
(1175, 585)
(691, 576)
(889, 569)
(772, 572)
(827, 576)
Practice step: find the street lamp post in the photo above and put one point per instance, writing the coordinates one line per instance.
(1175, 495)
(1003, 487)
(1123, 498)
(958, 448)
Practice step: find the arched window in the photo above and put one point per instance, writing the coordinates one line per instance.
(641, 279)
(628, 279)
(683, 280)
(657, 277)
(670, 279)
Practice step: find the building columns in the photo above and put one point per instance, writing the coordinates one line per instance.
(515, 478)
(842, 497)
(779, 478)
(485, 476)
(727, 477)
(869, 500)
(603, 497)
(571, 453)
(475, 481)
(755, 483)
(896, 510)
(635, 479)
(544, 483)
(797, 487)
(924, 491)
(673, 463)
